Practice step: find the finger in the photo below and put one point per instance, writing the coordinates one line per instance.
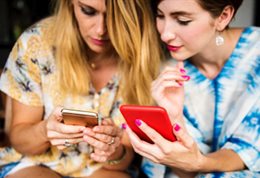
(158, 92)
(146, 155)
(168, 84)
(169, 69)
(58, 135)
(168, 80)
(98, 158)
(107, 121)
(69, 129)
(61, 147)
(157, 138)
(141, 147)
(169, 75)
(102, 152)
(109, 130)
(96, 143)
(173, 77)
(107, 139)
(183, 136)
(61, 142)
(57, 113)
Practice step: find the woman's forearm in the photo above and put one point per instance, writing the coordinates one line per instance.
(223, 160)
(29, 139)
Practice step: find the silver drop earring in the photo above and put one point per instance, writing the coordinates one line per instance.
(219, 40)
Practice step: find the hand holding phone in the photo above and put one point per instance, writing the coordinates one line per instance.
(154, 116)
(79, 117)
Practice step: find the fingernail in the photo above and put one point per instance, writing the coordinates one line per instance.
(138, 122)
(186, 77)
(180, 83)
(176, 127)
(182, 70)
(123, 126)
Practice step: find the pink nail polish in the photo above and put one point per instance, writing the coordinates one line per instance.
(123, 126)
(138, 122)
(181, 84)
(182, 70)
(186, 77)
(176, 127)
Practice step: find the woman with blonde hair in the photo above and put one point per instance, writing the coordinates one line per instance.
(90, 55)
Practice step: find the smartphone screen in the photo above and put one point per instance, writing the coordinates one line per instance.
(79, 117)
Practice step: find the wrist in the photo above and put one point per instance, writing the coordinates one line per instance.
(118, 158)
(203, 164)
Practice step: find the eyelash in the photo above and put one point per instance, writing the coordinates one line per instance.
(159, 16)
(86, 11)
(181, 22)
(184, 23)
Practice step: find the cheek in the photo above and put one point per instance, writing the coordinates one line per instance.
(198, 36)
(84, 28)
(159, 26)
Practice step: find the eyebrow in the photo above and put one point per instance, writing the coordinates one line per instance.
(84, 5)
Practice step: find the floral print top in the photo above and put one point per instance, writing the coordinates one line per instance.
(30, 77)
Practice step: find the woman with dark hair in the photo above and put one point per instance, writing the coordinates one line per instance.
(210, 91)
(83, 57)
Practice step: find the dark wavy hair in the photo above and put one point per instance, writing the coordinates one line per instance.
(214, 7)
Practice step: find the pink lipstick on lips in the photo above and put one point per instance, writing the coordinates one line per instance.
(99, 42)
(173, 48)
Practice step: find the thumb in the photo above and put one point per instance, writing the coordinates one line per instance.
(182, 136)
(57, 113)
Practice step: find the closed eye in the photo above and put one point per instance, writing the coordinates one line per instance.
(184, 22)
(88, 11)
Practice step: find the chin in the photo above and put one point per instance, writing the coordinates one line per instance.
(97, 49)
(181, 56)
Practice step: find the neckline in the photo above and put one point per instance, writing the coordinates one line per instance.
(201, 77)
(113, 82)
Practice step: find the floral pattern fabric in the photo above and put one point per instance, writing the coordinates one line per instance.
(30, 76)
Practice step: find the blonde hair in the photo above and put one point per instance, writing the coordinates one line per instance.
(70, 50)
(132, 32)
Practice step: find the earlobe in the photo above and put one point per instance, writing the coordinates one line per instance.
(225, 18)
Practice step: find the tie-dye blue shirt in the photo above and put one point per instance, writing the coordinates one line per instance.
(224, 113)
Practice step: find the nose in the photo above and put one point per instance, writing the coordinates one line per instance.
(101, 26)
(167, 36)
(168, 33)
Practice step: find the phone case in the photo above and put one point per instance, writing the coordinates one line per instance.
(79, 117)
(154, 116)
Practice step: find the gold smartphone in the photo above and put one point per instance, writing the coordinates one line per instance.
(80, 117)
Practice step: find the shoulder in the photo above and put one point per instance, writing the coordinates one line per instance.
(34, 46)
(38, 33)
(251, 34)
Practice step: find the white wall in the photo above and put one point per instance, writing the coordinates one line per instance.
(245, 14)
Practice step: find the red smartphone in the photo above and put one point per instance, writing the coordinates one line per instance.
(79, 117)
(154, 116)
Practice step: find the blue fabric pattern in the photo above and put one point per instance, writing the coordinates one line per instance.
(232, 102)
(6, 168)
